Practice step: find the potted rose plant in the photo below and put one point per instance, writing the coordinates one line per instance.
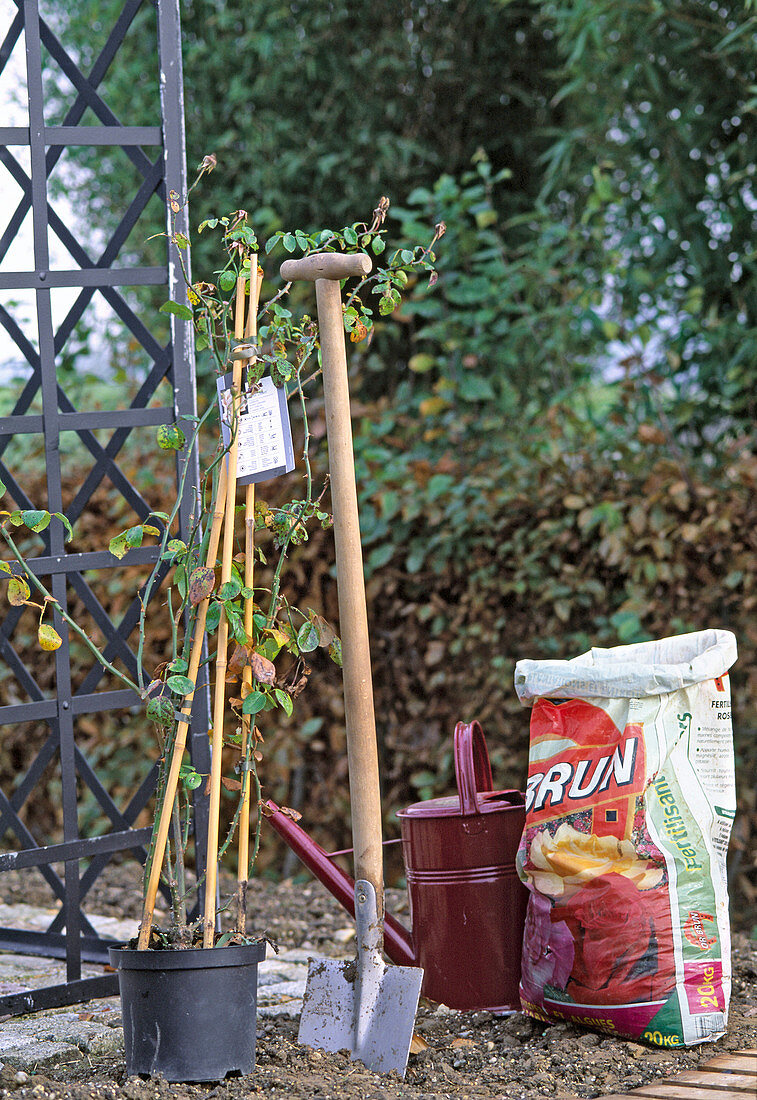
(189, 991)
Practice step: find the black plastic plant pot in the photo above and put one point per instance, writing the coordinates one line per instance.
(190, 1015)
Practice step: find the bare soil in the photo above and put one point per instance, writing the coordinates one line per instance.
(458, 1054)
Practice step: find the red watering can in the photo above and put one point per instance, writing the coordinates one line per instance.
(467, 904)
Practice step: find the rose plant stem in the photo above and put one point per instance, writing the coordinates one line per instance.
(180, 740)
(243, 863)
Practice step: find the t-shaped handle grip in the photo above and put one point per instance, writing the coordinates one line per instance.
(326, 265)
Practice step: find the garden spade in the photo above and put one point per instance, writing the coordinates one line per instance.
(361, 1005)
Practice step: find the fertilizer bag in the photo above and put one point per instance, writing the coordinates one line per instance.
(629, 807)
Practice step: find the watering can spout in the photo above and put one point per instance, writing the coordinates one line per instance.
(398, 942)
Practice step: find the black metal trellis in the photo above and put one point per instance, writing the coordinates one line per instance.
(71, 934)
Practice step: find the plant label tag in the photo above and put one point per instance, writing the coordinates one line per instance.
(265, 436)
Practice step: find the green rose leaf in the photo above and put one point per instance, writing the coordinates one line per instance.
(182, 685)
(254, 702)
(66, 524)
(308, 637)
(189, 777)
(213, 617)
(36, 519)
(180, 580)
(160, 711)
(284, 700)
(177, 309)
(230, 590)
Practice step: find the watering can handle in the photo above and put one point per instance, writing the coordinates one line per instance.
(472, 767)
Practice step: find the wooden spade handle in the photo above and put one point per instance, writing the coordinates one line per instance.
(326, 265)
(362, 752)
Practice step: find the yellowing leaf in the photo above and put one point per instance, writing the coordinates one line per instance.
(18, 591)
(417, 1043)
(169, 436)
(118, 546)
(326, 632)
(201, 583)
(263, 670)
(421, 363)
(430, 406)
(48, 637)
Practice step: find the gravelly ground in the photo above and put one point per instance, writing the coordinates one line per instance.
(458, 1054)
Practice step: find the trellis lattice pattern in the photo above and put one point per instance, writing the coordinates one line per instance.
(49, 404)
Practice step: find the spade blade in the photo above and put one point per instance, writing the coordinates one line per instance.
(363, 1005)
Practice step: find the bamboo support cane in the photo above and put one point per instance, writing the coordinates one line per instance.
(251, 332)
(180, 741)
(219, 698)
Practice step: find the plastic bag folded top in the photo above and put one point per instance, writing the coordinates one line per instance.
(630, 671)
